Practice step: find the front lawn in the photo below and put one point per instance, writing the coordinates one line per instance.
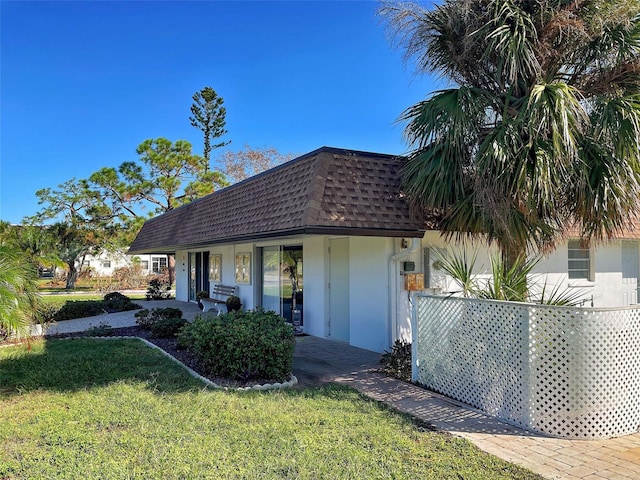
(117, 409)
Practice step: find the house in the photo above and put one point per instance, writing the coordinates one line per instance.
(106, 263)
(329, 237)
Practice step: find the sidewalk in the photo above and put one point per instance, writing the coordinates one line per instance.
(317, 361)
(116, 320)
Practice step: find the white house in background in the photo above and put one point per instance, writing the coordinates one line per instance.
(330, 234)
(104, 264)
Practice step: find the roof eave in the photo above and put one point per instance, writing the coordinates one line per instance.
(308, 230)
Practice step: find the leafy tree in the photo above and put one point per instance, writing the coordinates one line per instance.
(541, 132)
(82, 215)
(19, 300)
(75, 202)
(166, 175)
(73, 244)
(249, 161)
(209, 116)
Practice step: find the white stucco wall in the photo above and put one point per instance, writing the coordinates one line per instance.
(604, 288)
(315, 284)
(369, 291)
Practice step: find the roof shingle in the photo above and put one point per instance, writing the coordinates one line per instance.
(327, 191)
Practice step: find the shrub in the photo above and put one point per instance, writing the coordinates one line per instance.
(233, 303)
(147, 318)
(158, 290)
(129, 277)
(100, 330)
(144, 319)
(167, 327)
(397, 362)
(242, 345)
(202, 294)
(117, 302)
(79, 309)
(46, 314)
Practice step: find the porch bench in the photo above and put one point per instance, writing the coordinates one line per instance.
(218, 300)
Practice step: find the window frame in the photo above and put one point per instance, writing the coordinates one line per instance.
(581, 255)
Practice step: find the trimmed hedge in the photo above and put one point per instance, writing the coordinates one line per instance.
(146, 319)
(167, 327)
(242, 345)
(112, 302)
(117, 302)
(79, 309)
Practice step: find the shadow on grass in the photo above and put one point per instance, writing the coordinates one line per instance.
(64, 365)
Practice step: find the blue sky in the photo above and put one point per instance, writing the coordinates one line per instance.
(84, 83)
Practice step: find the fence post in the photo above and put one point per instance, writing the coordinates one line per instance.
(414, 338)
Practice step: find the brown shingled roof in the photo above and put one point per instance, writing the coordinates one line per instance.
(327, 191)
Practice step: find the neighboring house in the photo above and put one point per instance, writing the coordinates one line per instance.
(104, 264)
(330, 234)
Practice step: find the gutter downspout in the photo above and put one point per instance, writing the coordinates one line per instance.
(392, 331)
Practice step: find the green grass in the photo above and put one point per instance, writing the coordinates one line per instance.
(60, 299)
(117, 409)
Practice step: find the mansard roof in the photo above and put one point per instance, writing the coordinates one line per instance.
(328, 191)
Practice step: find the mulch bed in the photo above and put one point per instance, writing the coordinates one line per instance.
(169, 345)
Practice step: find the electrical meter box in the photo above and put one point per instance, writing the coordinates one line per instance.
(414, 281)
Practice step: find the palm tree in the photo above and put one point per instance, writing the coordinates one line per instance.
(19, 300)
(541, 133)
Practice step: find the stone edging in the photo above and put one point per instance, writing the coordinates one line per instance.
(267, 386)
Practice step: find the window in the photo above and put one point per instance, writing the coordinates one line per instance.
(243, 268)
(158, 264)
(144, 264)
(106, 264)
(579, 266)
(215, 268)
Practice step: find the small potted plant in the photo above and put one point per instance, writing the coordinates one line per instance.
(200, 295)
(233, 303)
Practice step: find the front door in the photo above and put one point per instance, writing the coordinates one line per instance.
(630, 267)
(339, 321)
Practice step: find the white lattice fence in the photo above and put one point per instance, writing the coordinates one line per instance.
(564, 371)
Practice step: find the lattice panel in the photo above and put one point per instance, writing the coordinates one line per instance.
(568, 372)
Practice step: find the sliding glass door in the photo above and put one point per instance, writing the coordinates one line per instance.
(282, 280)
(271, 284)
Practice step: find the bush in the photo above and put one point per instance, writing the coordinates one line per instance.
(101, 330)
(147, 318)
(167, 327)
(233, 303)
(45, 314)
(397, 362)
(242, 345)
(158, 290)
(79, 309)
(202, 294)
(129, 277)
(117, 302)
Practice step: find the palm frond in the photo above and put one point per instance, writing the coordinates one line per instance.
(559, 296)
(460, 269)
